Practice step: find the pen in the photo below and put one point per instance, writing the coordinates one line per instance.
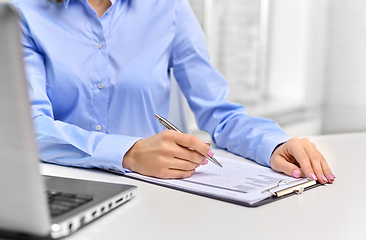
(170, 126)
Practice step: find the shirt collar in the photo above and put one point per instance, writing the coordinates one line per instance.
(66, 3)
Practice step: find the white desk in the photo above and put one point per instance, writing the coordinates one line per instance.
(333, 212)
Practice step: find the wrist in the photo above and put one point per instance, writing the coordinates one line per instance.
(128, 159)
(279, 145)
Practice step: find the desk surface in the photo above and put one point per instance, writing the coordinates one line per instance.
(334, 211)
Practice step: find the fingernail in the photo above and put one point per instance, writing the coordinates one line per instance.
(313, 176)
(205, 162)
(331, 176)
(324, 178)
(198, 165)
(296, 173)
(194, 170)
(207, 143)
(210, 153)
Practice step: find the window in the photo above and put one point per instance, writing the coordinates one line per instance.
(236, 36)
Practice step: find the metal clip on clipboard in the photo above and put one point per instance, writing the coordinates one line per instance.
(298, 189)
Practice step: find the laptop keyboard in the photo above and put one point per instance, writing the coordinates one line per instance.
(62, 202)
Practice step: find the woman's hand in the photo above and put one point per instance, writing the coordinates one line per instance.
(167, 154)
(301, 153)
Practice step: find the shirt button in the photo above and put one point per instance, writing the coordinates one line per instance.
(100, 85)
(100, 45)
(106, 168)
(99, 127)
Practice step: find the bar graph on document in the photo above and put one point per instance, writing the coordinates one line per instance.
(237, 176)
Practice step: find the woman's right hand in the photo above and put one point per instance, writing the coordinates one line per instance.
(168, 154)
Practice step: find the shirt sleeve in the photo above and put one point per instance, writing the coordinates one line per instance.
(60, 142)
(206, 91)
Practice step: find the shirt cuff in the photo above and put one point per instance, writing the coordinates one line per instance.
(110, 151)
(266, 147)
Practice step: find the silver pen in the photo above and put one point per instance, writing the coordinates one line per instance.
(170, 126)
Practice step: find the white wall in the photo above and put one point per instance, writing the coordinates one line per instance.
(298, 47)
(318, 57)
(288, 45)
(297, 65)
(346, 80)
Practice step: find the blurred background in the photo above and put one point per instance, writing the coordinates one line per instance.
(301, 63)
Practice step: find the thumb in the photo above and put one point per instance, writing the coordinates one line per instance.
(281, 165)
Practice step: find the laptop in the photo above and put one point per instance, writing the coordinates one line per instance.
(31, 205)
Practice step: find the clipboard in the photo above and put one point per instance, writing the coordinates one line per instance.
(238, 182)
(275, 194)
(287, 192)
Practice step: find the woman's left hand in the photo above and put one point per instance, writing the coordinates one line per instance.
(301, 153)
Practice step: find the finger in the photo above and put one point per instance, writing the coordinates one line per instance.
(315, 159)
(195, 143)
(180, 164)
(295, 148)
(281, 165)
(175, 174)
(327, 173)
(189, 155)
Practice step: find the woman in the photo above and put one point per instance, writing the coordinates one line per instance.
(98, 71)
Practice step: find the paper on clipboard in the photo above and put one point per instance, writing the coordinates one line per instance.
(236, 180)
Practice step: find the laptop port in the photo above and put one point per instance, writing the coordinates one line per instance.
(119, 200)
(110, 205)
(102, 209)
(70, 226)
(82, 221)
(94, 213)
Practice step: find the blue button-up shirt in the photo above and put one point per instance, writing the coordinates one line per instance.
(95, 84)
